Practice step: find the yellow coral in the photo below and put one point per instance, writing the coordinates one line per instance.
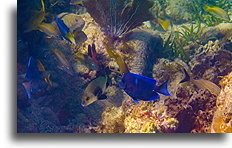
(222, 117)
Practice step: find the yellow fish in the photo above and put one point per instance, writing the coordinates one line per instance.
(36, 19)
(119, 60)
(219, 12)
(202, 84)
(94, 91)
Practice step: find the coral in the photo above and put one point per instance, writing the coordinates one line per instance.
(209, 47)
(222, 121)
(192, 107)
(146, 118)
(116, 17)
(211, 65)
(112, 121)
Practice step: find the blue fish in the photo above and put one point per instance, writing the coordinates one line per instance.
(33, 77)
(64, 30)
(142, 88)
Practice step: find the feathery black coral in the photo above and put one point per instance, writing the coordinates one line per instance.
(117, 17)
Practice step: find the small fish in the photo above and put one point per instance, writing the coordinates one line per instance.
(33, 77)
(119, 60)
(36, 19)
(219, 12)
(46, 75)
(94, 91)
(86, 60)
(142, 88)
(64, 63)
(202, 84)
(49, 29)
(65, 32)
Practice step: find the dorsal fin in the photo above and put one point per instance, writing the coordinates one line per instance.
(186, 78)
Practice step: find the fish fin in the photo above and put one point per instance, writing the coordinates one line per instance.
(22, 76)
(97, 91)
(154, 97)
(102, 97)
(27, 87)
(163, 89)
(136, 101)
(186, 78)
(90, 51)
(71, 38)
(164, 24)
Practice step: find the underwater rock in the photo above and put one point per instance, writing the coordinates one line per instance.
(221, 32)
(148, 47)
(222, 121)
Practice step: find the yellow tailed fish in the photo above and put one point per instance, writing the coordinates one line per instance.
(94, 91)
(46, 75)
(64, 63)
(119, 60)
(164, 24)
(36, 19)
(202, 84)
(219, 12)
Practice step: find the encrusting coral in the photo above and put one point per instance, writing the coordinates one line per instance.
(222, 121)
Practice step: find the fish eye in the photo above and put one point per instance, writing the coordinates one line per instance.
(87, 98)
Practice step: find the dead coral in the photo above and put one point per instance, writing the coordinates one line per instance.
(222, 117)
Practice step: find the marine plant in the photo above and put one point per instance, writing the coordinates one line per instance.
(178, 40)
(117, 17)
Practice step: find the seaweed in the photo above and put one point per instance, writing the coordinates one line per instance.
(117, 17)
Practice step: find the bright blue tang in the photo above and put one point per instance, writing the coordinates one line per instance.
(142, 88)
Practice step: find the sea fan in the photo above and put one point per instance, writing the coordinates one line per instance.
(117, 17)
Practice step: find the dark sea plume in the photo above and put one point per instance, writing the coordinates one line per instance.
(116, 17)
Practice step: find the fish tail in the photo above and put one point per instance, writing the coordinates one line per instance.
(27, 87)
(186, 78)
(43, 7)
(163, 89)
